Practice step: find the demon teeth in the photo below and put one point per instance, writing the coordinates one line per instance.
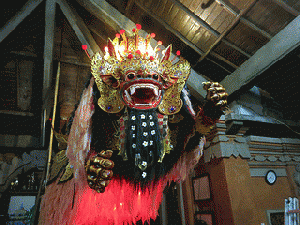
(132, 90)
(150, 86)
(156, 91)
(127, 95)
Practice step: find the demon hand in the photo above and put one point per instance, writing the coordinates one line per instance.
(99, 170)
(216, 99)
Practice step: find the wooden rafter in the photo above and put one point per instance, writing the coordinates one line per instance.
(244, 20)
(236, 48)
(18, 18)
(279, 46)
(214, 62)
(78, 25)
(230, 27)
(223, 59)
(229, 7)
(196, 18)
(236, 13)
(221, 37)
(287, 7)
(128, 7)
(168, 27)
(254, 27)
(48, 62)
(108, 14)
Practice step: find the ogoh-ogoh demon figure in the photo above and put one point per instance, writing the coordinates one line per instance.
(143, 134)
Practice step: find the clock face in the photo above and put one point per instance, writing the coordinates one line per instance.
(271, 177)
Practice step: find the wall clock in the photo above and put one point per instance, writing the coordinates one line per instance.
(271, 177)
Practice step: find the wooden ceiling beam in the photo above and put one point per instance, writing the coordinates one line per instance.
(236, 48)
(79, 27)
(229, 7)
(108, 14)
(223, 59)
(221, 37)
(48, 64)
(236, 12)
(277, 48)
(254, 27)
(128, 7)
(225, 32)
(95, 31)
(233, 23)
(169, 28)
(287, 7)
(214, 62)
(196, 18)
(18, 18)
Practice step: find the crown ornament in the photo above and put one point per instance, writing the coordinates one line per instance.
(133, 73)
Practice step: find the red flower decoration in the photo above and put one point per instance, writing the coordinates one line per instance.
(178, 53)
(130, 56)
(151, 58)
(152, 35)
(122, 31)
(118, 35)
(84, 47)
(159, 43)
(138, 26)
(138, 52)
(133, 30)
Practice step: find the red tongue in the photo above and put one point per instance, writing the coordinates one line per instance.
(143, 95)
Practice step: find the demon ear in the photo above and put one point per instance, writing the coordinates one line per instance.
(111, 81)
(178, 74)
(167, 53)
(108, 85)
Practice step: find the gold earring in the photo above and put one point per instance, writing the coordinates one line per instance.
(171, 103)
(110, 100)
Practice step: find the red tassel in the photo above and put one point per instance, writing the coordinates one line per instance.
(138, 26)
(84, 47)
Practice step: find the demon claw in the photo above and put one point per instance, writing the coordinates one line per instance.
(222, 103)
(216, 94)
(99, 171)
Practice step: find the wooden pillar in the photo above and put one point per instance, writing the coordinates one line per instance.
(48, 64)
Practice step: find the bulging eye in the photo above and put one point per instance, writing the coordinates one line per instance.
(155, 76)
(130, 76)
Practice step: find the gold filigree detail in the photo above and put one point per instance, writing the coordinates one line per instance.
(171, 103)
(68, 174)
(201, 128)
(59, 162)
(176, 118)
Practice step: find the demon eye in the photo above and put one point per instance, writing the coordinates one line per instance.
(130, 76)
(155, 76)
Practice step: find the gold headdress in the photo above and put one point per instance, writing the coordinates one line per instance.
(131, 73)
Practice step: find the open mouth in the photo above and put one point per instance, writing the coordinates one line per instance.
(142, 94)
